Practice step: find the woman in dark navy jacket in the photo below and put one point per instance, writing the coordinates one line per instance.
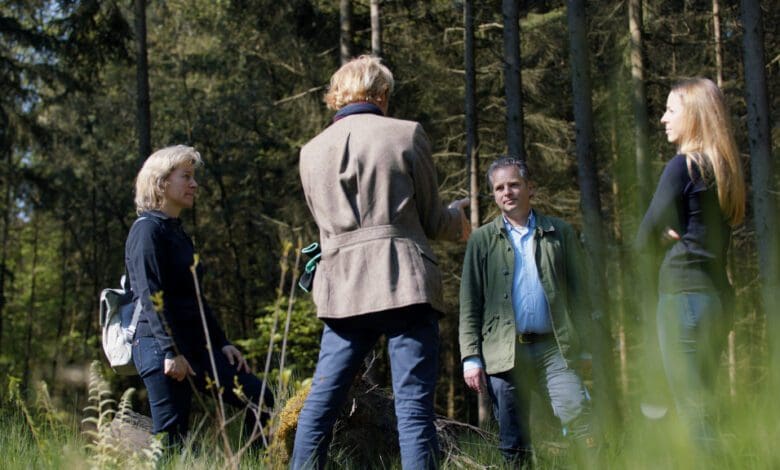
(170, 343)
(700, 196)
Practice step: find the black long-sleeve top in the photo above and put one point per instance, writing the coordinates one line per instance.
(158, 256)
(689, 205)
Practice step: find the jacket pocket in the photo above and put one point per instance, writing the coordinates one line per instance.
(489, 326)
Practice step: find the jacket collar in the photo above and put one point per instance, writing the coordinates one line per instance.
(360, 107)
(162, 216)
(543, 225)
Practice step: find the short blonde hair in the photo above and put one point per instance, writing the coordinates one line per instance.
(707, 140)
(150, 182)
(364, 78)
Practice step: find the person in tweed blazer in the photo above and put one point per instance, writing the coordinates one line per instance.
(370, 184)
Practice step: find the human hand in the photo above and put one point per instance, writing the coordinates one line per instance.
(460, 205)
(235, 358)
(671, 234)
(475, 379)
(177, 368)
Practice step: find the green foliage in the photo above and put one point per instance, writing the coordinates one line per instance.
(303, 339)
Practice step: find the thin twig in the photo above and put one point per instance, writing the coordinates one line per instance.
(209, 347)
(299, 95)
(290, 303)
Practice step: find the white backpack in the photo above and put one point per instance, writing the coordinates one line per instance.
(118, 320)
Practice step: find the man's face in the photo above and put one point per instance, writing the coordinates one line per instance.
(512, 193)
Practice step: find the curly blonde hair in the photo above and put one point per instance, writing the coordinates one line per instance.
(364, 78)
(150, 182)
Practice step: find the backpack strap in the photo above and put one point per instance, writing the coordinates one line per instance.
(130, 332)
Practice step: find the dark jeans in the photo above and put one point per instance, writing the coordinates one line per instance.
(413, 345)
(539, 367)
(171, 400)
(692, 332)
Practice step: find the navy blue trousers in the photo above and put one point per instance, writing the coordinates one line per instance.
(413, 345)
(170, 400)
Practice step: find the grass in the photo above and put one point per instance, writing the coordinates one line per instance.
(44, 438)
(20, 449)
(750, 433)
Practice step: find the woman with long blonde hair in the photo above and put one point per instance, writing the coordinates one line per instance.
(699, 198)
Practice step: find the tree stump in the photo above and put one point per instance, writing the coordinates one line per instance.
(131, 432)
(366, 430)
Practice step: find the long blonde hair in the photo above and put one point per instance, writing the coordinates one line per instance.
(150, 182)
(707, 140)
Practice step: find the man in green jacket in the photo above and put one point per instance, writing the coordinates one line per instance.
(522, 292)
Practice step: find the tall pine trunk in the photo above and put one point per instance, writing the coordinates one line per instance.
(731, 350)
(7, 150)
(762, 175)
(31, 314)
(345, 38)
(590, 202)
(472, 153)
(376, 28)
(143, 113)
(472, 137)
(641, 124)
(718, 43)
(654, 390)
(513, 79)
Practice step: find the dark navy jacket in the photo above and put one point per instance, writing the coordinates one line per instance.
(158, 256)
(689, 205)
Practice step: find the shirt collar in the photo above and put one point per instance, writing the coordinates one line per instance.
(529, 226)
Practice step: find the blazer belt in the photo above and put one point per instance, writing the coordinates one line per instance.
(361, 235)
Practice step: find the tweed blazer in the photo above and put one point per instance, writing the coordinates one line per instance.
(370, 184)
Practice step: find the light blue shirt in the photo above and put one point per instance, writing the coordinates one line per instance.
(528, 298)
(529, 301)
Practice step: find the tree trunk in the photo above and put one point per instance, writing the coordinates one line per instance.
(31, 314)
(472, 155)
(472, 137)
(5, 147)
(144, 119)
(641, 125)
(762, 175)
(63, 301)
(718, 43)
(731, 349)
(512, 79)
(91, 315)
(619, 212)
(376, 29)
(233, 246)
(345, 9)
(587, 176)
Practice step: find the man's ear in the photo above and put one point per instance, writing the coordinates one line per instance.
(531, 188)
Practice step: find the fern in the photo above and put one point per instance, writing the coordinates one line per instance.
(54, 417)
(105, 446)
